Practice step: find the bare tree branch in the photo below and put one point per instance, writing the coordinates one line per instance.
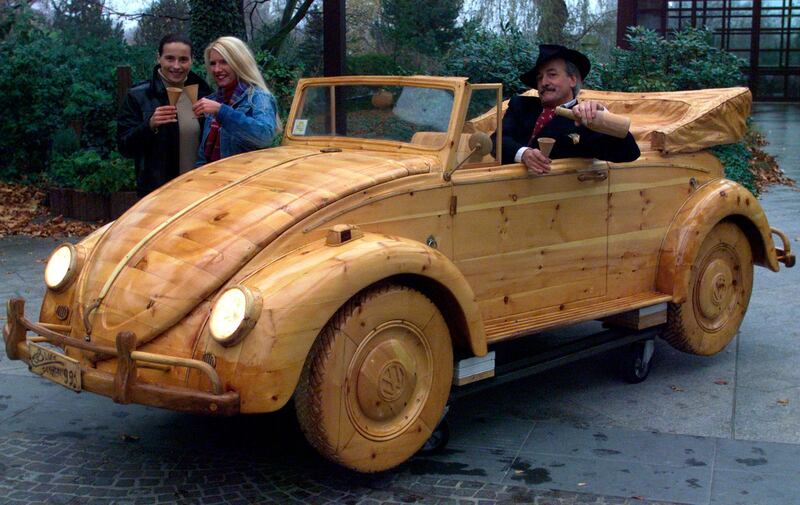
(124, 15)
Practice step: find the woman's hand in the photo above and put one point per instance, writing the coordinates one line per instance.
(163, 115)
(205, 106)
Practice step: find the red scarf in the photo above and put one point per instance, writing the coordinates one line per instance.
(547, 114)
(212, 149)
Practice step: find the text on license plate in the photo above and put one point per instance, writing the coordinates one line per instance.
(55, 366)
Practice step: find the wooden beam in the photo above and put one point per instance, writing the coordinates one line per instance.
(626, 16)
(124, 82)
(333, 22)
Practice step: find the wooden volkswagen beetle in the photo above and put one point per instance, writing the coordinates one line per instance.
(381, 243)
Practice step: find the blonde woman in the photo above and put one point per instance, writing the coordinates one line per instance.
(242, 115)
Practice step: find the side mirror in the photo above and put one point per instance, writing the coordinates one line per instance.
(480, 144)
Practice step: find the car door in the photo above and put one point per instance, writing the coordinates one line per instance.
(531, 246)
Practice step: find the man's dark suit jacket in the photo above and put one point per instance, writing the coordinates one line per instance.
(518, 123)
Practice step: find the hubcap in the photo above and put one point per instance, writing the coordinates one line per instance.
(389, 379)
(716, 288)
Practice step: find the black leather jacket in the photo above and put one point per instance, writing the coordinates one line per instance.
(156, 153)
(521, 116)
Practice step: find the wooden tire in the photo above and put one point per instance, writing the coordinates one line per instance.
(377, 379)
(717, 296)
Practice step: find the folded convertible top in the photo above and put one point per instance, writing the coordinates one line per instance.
(670, 122)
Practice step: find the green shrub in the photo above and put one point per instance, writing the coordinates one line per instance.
(88, 171)
(486, 56)
(65, 143)
(687, 59)
(374, 64)
(281, 77)
(50, 81)
(736, 160)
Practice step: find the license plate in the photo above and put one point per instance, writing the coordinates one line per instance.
(57, 367)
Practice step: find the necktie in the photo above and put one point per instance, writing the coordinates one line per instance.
(544, 118)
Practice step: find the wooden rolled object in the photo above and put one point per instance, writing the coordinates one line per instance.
(605, 122)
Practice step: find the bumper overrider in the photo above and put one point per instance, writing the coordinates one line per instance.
(122, 386)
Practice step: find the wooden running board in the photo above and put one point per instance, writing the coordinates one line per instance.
(511, 327)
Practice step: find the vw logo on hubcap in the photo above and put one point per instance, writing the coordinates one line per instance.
(392, 381)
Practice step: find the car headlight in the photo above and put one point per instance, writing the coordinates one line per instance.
(234, 315)
(61, 267)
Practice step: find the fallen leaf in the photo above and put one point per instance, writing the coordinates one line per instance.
(676, 388)
(783, 403)
(129, 438)
(721, 382)
(22, 212)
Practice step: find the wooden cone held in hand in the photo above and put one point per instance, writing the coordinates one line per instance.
(191, 92)
(605, 122)
(546, 145)
(174, 94)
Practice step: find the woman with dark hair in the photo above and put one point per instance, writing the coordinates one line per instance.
(162, 138)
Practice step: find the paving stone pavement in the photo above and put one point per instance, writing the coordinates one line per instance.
(723, 430)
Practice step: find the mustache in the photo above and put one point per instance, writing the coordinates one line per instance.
(547, 88)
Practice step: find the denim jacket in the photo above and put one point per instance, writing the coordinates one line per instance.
(247, 125)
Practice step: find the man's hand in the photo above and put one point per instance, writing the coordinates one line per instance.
(205, 106)
(586, 111)
(536, 162)
(163, 115)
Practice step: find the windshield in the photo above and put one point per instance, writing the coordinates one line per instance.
(400, 113)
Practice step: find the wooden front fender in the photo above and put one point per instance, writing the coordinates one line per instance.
(718, 200)
(303, 290)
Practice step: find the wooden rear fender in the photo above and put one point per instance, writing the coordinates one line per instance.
(718, 200)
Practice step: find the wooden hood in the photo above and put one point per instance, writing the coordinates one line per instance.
(184, 241)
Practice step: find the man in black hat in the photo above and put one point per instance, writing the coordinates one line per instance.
(558, 75)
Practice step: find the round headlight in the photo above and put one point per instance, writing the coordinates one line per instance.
(61, 267)
(234, 315)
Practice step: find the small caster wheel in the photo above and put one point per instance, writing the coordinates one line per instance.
(635, 364)
(438, 439)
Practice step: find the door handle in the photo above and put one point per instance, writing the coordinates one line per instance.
(594, 175)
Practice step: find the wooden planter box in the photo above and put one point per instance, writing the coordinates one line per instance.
(120, 202)
(90, 206)
(60, 201)
(77, 204)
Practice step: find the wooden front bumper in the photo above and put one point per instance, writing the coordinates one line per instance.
(123, 387)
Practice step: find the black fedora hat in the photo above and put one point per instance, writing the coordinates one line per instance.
(549, 52)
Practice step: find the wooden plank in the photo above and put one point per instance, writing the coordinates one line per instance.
(584, 310)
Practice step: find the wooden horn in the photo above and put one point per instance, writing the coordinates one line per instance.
(605, 122)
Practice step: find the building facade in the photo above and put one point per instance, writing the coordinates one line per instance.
(764, 33)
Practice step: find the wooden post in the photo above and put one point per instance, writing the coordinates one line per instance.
(755, 43)
(124, 82)
(16, 332)
(333, 21)
(126, 367)
(626, 16)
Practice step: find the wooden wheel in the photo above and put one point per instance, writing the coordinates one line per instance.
(377, 379)
(718, 294)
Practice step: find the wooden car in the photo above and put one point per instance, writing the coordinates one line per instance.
(382, 242)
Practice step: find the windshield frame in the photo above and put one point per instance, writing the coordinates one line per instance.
(454, 85)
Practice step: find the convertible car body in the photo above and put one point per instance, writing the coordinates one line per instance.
(382, 243)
